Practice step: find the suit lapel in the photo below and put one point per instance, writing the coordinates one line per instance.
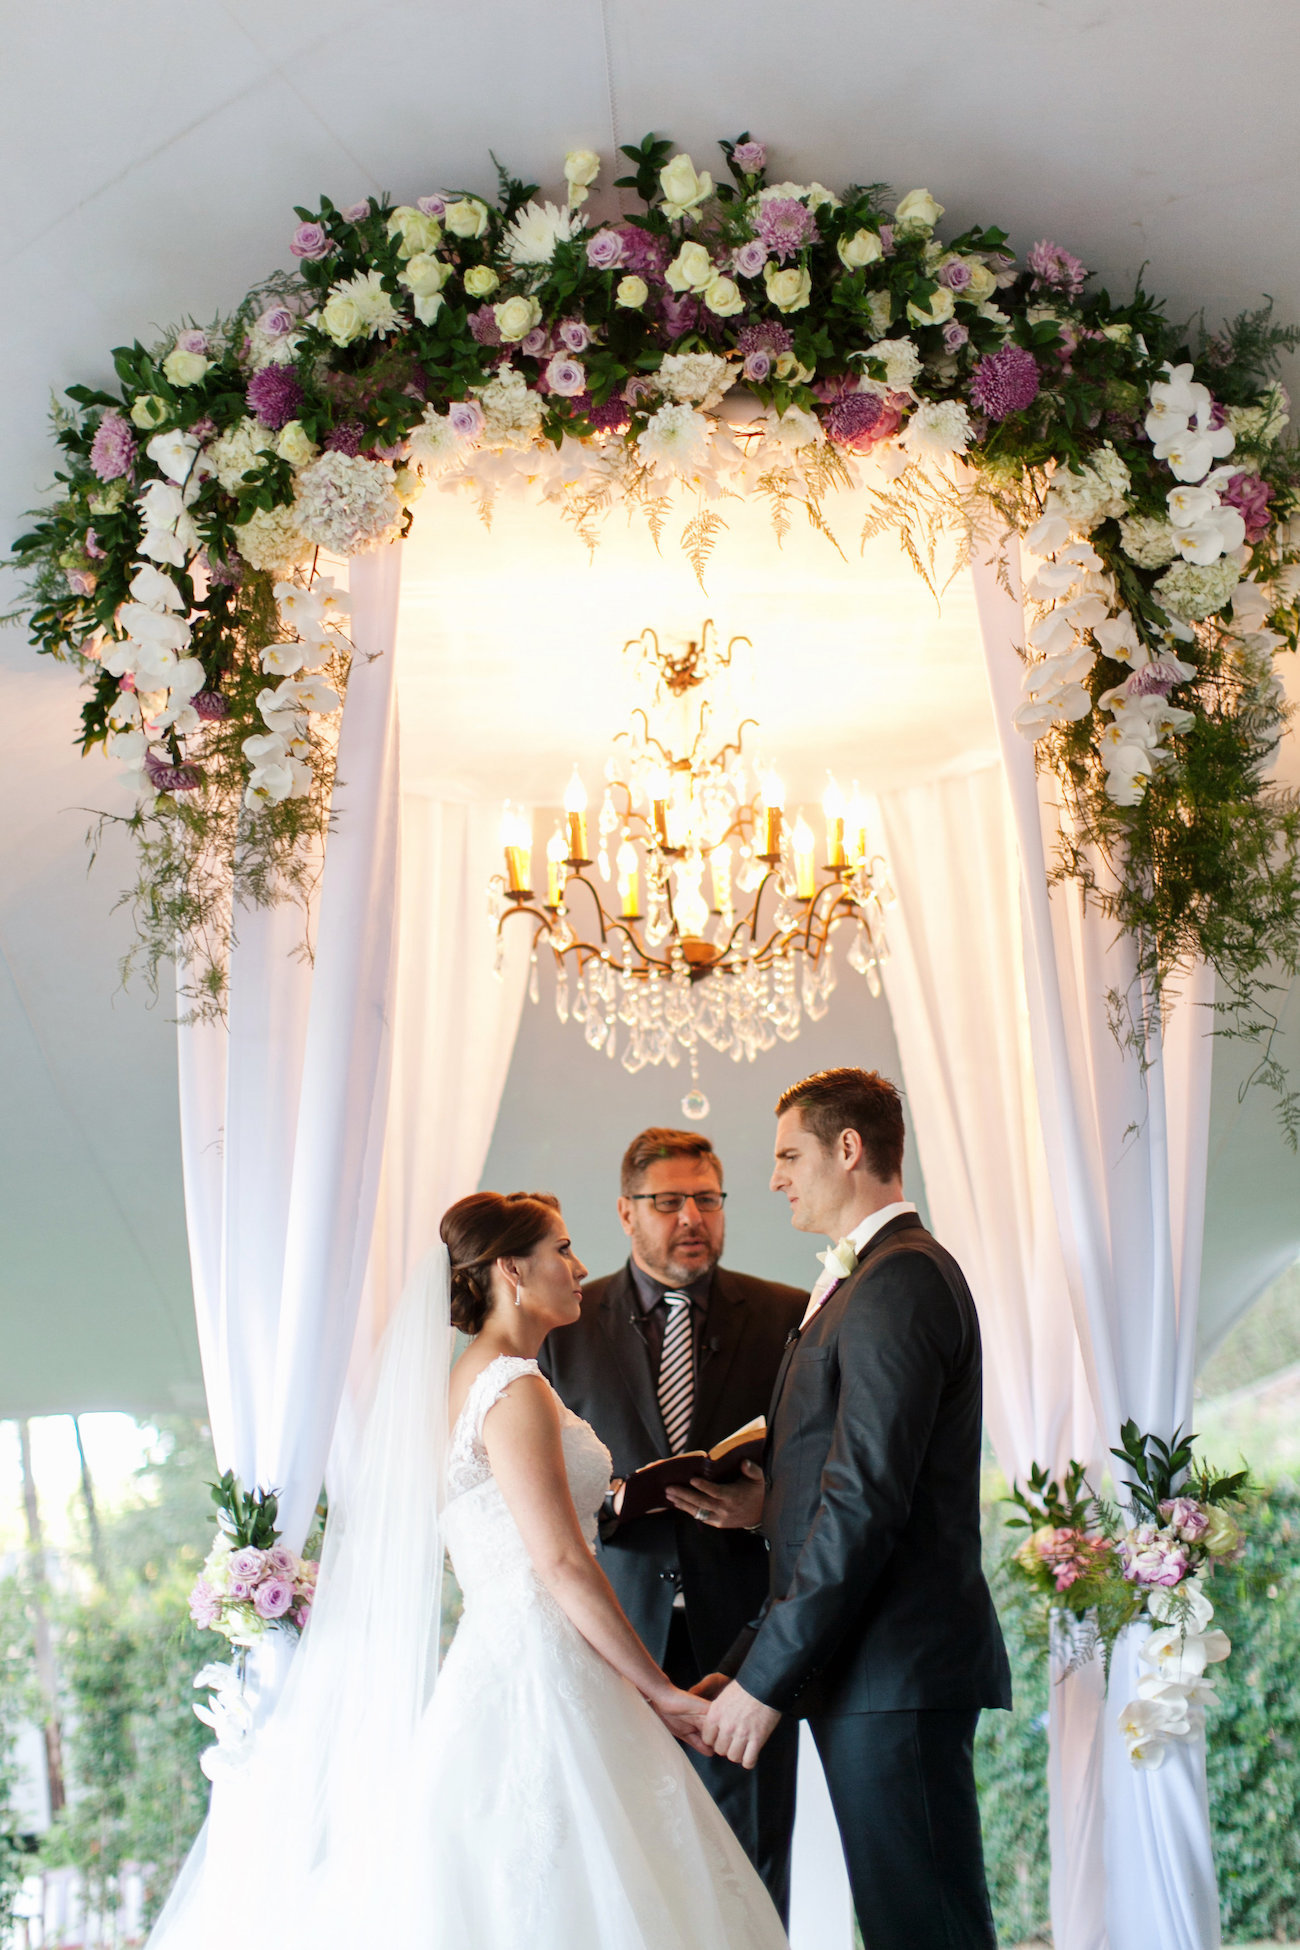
(724, 1329)
(630, 1356)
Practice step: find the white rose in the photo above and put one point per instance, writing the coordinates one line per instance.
(724, 297)
(683, 186)
(295, 444)
(982, 282)
(148, 411)
(819, 196)
(407, 485)
(341, 317)
(918, 208)
(581, 168)
(467, 217)
(788, 290)
(516, 317)
(481, 281)
(690, 270)
(937, 311)
(424, 274)
(184, 368)
(632, 292)
(414, 231)
(863, 247)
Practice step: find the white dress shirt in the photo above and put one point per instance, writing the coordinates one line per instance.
(859, 1239)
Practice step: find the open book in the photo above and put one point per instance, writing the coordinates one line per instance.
(642, 1495)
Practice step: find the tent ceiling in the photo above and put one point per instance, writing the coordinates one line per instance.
(153, 171)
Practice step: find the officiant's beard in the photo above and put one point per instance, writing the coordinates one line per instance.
(688, 1255)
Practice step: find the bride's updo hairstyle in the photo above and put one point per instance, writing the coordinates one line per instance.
(484, 1227)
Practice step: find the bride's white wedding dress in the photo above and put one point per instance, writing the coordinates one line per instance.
(550, 1806)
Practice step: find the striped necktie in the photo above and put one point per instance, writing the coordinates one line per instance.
(677, 1371)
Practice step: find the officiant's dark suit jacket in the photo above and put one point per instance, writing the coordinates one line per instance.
(878, 1602)
(599, 1367)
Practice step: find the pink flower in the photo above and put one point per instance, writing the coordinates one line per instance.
(280, 1561)
(749, 259)
(887, 238)
(81, 582)
(205, 1605)
(357, 212)
(1250, 496)
(1185, 1518)
(785, 226)
(574, 334)
(432, 206)
(483, 326)
(238, 1590)
(750, 158)
(605, 250)
(113, 449)
(1057, 269)
(273, 1599)
(1153, 1556)
(566, 376)
(248, 1564)
(309, 240)
(92, 546)
(535, 342)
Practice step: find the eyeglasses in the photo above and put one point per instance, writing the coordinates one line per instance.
(668, 1202)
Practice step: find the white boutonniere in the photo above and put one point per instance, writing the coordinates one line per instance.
(840, 1259)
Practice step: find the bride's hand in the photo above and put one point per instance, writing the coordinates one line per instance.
(682, 1714)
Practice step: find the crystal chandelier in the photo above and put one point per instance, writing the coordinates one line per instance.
(671, 963)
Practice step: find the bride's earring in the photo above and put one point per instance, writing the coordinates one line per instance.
(519, 1287)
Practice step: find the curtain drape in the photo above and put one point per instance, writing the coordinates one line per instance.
(955, 984)
(1126, 1143)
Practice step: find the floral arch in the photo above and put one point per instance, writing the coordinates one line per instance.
(736, 337)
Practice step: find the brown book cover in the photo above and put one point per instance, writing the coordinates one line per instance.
(642, 1495)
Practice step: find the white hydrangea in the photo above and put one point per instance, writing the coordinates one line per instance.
(937, 427)
(1148, 541)
(1098, 493)
(512, 412)
(901, 362)
(699, 378)
(237, 452)
(346, 503)
(270, 540)
(1262, 425)
(1193, 591)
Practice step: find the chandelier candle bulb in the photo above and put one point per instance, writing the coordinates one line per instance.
(720, 871)
(517, 839)
(805, 860)
(833, 807)
(857, 825)
(773, 808)
(575, 806)
(555, 869)
(629, 882)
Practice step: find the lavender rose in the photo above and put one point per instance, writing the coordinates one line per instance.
(574, 334)
(750, 157)
(1154, 1556)
(758, 367)
(467, 418)
(432, 206)
(1185, 1518)
(281, 1562)
(566, 376)
(955, 335)
(749, 260)
(247, 1564)
(273, 1599)
(605, 250)
(309, 240)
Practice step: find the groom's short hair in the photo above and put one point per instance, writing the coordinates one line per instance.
(648, 1147)
(832, 1101)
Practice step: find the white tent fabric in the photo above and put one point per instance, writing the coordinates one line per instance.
(1126, 1148)
(956, 989)
(283, 1108)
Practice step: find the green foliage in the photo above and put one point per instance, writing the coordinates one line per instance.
(247, 1516)
(18, 1701)
(1011, 1763)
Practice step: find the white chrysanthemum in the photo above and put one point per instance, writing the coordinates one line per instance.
(1148, 541)
(360, 308)
(346, 503)
(512, 412)
(698, 378)
(535, 232)
(435, 444)
(1098, 493)
(234, 453)
(936, 428)
(676, 437)
(1193, 590)
(270, 540)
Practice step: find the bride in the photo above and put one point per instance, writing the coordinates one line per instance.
(535, 1793)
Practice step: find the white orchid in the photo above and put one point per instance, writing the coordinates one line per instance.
(155, 590)
(174, 454)
(283, 659)
(1048, 533)
(306, 694)
(162, 628)
(1146, 1726)
(1118, 637)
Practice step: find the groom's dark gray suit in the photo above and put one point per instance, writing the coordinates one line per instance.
(604, 1369)
(879, 1628)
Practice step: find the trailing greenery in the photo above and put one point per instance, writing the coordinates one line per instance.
(19, 1701)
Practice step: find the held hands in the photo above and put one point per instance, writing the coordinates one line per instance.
(736, 1725)
(682, 1714)
(723, 1506)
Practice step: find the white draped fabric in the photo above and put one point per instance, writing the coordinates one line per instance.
(1126, 1149)
(956, 989)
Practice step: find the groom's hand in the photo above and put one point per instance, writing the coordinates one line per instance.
(737, 1725)
(711, 1685)
(723, 1506)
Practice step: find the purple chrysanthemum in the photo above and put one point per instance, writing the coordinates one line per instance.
(1005, 382)
(768, 337)
(1056, 268)
(859, 421)
(1153, 680)
(612, 417)
(750, 157)
(345, 438)
(275, 395)
(483, 326)
(211, 706)
(171, 778)
(113, 449)
(785, 226)
(1250, 496)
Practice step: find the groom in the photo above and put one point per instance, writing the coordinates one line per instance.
(879, 1628)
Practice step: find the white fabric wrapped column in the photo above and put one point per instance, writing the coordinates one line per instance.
(1126, 1148)
(955, 983)
(283, 1108)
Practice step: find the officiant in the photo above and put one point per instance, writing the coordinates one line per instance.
(675, 1352)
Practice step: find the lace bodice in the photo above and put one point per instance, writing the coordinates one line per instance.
(481, 1534)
